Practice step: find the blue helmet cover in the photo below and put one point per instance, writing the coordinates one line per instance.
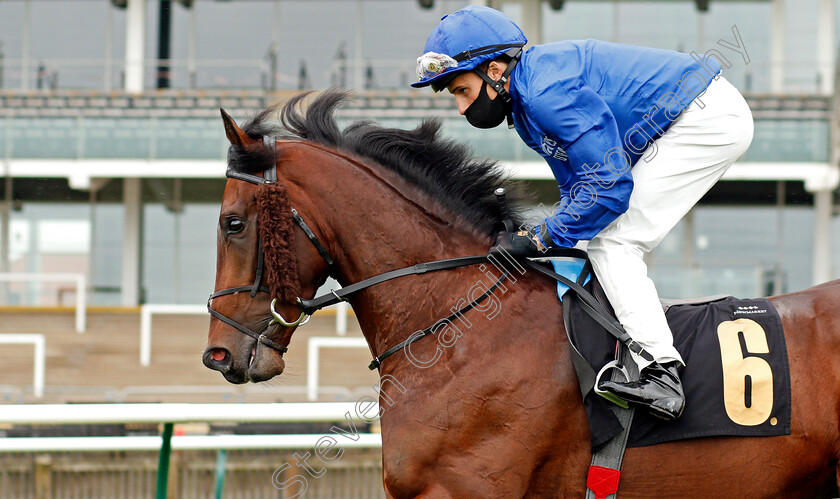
(472, 28)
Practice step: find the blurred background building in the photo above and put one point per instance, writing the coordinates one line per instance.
(112, 157)
(113, 152)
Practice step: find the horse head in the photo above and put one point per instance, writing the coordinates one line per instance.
(259, 256)
(304, 192)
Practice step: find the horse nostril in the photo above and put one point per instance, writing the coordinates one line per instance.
(218, 359)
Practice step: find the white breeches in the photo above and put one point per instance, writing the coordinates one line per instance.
(693, 154)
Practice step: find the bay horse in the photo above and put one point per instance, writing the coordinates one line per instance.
(498, 413)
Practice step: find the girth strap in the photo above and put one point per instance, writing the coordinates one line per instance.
(315, 304)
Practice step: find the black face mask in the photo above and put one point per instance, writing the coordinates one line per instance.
(485, 112)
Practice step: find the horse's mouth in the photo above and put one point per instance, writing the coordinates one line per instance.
(257, 363)
(264, 363)
(241, 376)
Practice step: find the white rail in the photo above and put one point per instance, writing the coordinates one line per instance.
(341, 318)
(146, 312)
(234, 392)
(198, 442)
(79, 279)
(287, 412)
(37, 340)
(313, 359)
(179, 413)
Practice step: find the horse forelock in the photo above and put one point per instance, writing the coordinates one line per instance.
(276, 230)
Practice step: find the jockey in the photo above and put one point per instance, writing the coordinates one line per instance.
(634, 136)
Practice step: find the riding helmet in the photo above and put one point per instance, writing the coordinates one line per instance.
(464, 40)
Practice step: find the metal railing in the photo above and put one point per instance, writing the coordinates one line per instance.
(169, 414)
(146, 312)
(313, 360)
(36, 340)
(185, 442)
(802, 76)
(223, 393)
(78, 279)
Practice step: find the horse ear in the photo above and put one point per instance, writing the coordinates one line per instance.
(235, 134)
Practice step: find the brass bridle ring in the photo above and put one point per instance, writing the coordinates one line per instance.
(303, 319)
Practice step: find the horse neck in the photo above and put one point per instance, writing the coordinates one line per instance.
(376, 222)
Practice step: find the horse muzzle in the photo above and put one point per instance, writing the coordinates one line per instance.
(255, 362)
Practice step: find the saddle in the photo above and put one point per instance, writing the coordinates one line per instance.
(736, 377)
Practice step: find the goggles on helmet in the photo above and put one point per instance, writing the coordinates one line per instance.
(431, 64)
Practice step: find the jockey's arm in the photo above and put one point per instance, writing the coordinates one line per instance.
(594, 179)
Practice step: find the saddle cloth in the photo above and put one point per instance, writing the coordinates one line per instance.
(736, 378)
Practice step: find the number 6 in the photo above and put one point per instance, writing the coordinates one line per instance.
(737, 367)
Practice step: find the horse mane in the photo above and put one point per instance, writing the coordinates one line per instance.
(444, 169)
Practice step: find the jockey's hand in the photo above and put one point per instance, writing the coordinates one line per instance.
(518, 244)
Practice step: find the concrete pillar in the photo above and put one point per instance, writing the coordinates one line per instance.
(5, 226)
(27, 38)
(531, 22)
(778, 274)
(5, 240)
(275, 45)
(109, 45)
(822, 236)
(358, 61)
(130, 282)
(701, 27)
(825, 46)
(777, 48)
(192, 44)
(134, 45)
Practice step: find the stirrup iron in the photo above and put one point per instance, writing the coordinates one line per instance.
(615, 399)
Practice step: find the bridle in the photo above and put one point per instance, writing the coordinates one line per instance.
(269, 177)
(308, 307)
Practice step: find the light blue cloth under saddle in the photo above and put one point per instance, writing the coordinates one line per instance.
(569, 269)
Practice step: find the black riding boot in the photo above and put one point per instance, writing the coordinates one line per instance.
(658, 390)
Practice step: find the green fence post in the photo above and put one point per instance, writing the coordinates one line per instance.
(163, 461)
(221, 463)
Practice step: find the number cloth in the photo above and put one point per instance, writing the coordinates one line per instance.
(736, 378)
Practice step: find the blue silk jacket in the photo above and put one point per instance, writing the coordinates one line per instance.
(591, 109)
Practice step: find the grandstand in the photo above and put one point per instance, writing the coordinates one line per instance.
(113, 164)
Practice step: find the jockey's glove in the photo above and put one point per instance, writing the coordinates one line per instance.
(521, 244)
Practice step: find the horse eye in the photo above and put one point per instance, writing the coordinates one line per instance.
(235, 226)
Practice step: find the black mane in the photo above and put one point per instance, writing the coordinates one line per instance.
(443, 168)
